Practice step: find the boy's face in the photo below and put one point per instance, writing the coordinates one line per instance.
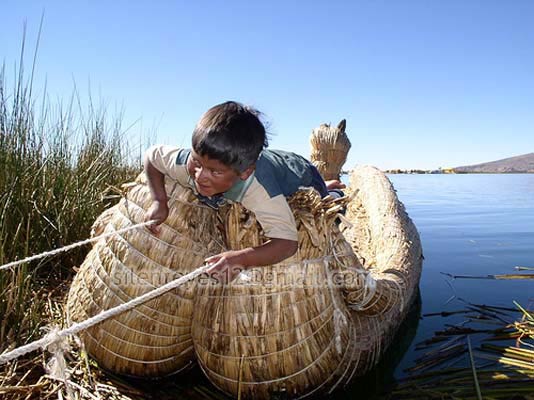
(212, 177)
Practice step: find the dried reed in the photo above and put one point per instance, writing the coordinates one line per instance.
(153, 339)
(506, 370)
(329, 148)
(286, 329)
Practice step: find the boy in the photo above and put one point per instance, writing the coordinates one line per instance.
(228, 162)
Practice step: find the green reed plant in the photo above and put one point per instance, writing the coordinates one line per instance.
(58, 167)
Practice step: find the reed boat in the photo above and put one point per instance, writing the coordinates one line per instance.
(300, 328)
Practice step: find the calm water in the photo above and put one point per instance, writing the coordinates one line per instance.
(469, 225)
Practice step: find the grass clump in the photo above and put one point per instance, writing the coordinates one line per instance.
(59, 165)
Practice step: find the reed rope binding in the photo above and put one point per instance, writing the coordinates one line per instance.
(72, 246)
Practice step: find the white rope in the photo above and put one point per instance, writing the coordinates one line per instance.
(369, 285)
(369, 291)
(54, 336)
(57, 366)
(340, 320)
(72, 246)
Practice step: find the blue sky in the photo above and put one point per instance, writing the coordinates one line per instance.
(422, 84)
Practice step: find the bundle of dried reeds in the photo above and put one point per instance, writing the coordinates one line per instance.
(388, 246)
(280, 329)
(153, 339)
(329, 148)
(286, 328)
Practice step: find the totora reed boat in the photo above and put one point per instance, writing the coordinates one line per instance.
(299, 328)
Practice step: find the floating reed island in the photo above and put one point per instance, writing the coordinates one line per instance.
(299, 328)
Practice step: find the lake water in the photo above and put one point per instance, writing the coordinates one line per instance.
(469, 225)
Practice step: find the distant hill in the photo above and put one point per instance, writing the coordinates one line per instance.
(518, 164)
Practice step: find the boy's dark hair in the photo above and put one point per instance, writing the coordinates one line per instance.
(231, 133)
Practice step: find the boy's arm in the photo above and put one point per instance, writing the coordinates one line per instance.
(227, 265)
(159, 210)
(276, 218)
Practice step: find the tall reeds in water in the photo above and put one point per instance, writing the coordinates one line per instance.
(58, 167)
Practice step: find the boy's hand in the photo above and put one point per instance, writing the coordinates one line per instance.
(335, 184)
(226, 266)
(158, 211)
